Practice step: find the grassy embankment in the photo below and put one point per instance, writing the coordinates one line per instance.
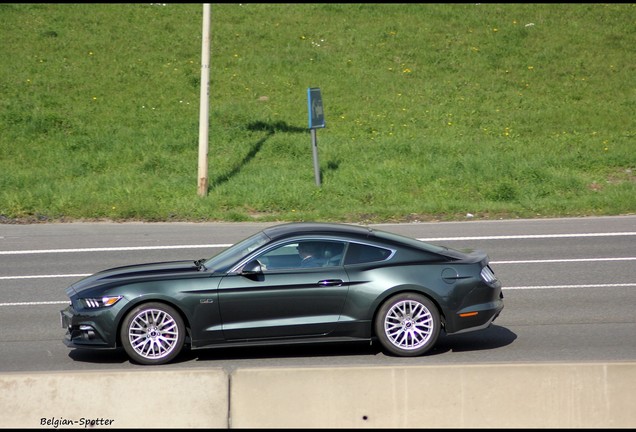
(433, 111)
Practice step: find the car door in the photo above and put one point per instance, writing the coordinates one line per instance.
(283, 300)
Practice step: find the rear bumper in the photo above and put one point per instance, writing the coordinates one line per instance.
(477, 317)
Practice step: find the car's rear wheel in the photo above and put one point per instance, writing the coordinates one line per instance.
(152, 334)
(407, 324)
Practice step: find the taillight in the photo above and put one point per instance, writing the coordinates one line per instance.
(488, 275)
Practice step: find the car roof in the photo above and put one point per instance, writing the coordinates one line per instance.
(316, 228)
(360, 232)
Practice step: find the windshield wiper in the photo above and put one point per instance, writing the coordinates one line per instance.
(199, 264)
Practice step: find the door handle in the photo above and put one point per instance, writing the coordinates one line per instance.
(330, 282)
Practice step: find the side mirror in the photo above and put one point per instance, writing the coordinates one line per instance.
(252, 268)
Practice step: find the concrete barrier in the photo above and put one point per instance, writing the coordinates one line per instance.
(465, 396)
(547, 395)
(147, 398)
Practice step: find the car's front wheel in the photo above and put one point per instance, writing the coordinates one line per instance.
(407, 324)
(152, 334)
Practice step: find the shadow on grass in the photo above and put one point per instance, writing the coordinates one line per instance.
(258, 126)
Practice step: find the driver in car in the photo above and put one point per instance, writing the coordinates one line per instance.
(309, 255)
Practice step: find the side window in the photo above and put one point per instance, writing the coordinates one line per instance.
(285, 256)
(359, 253)
(303, 254)
(333, 253)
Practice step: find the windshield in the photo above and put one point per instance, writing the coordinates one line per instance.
(224, 260)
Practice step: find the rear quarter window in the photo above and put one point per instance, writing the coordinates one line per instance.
(360, 253)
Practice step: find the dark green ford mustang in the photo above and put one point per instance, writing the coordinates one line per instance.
(295, 282)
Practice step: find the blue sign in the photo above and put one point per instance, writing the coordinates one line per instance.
(316, 113)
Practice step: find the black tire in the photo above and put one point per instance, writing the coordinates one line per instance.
(407, 324)
(153, 334)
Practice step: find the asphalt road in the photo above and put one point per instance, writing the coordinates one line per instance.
(569, 286)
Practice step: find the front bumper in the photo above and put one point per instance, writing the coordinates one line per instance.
(87, 330)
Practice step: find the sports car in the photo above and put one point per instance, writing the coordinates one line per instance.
(303, 282)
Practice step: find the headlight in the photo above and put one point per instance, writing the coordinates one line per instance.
(93, 303)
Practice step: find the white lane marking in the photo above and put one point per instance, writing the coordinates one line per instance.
(623, 285)
(574, 260)
(422, 239)
(35, 303)
(505, 288)
(112, 249)
(45, 276)
(563, 260)
(538, 236)
(225, 245)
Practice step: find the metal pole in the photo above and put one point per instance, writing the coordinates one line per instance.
(204, 103)
(314, 147)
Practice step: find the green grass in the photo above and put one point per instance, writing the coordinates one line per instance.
(433, 111)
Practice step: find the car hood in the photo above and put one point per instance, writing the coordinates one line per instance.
(133, 272)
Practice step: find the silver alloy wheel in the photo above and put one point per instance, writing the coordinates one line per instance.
(408, 324)
(153, 333)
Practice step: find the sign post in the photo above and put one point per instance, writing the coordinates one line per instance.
(316, 120)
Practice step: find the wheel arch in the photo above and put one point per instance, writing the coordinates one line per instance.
(144, 300)
(402, 290)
